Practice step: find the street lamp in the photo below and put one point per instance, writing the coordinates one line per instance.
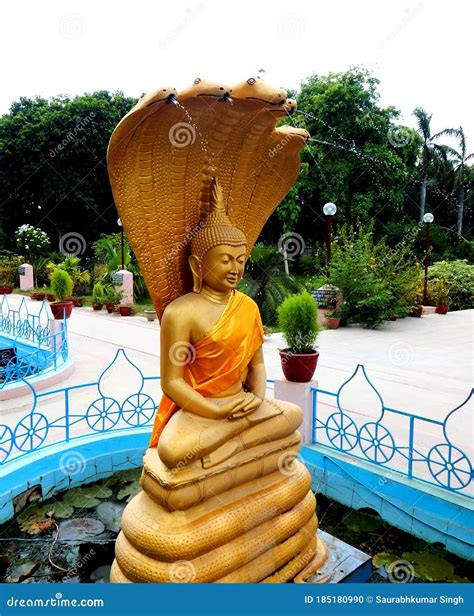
(329, 210)
(119, 222)
(427, 219)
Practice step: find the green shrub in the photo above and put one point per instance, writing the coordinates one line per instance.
(9, 271)
(298, 320)
(375, 281)
(61, 285)
(459, 278)
(98, 295)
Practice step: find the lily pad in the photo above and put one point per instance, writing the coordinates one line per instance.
(63, 510)
(87, 496)
(129, 491)
(110, 514)
(384, 558)
(36, 519)
(132, 474)
(429, 567)
(22, 569)
(363, 522)
(81, 529)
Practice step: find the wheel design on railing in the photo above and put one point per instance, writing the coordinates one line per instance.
(138, 409)
(6, 325)
(341, 431)
(31, 432)
(25, 330)
(376, 443)
(6, 442)
(449, 466)
(103, 414)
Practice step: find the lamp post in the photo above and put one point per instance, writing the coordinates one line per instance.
(119, 222)
(329, 210)
(427, 219)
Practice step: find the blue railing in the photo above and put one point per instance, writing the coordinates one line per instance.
(37, 348)
(415, 446)
(121, 399)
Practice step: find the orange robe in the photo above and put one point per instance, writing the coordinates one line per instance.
(220, 358)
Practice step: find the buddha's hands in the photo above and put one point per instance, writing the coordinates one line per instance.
(251, 403)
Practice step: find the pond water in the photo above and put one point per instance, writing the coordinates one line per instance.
(71, 539)
(19, 360)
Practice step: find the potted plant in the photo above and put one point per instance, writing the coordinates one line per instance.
(333, 319)
(50, 296)
(98, 296)
(61, 285)
(126, 310)
(441, 293)
(78, 302)
(38, 295)
(113, 297)
(150, 314)
(298, 321)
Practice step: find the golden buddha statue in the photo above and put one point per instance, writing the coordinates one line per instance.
(223, 498)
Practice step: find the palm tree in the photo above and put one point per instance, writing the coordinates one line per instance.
(430, 151)
(459, 159)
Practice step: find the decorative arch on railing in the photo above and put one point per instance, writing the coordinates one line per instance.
(446, 464)
(118, 400)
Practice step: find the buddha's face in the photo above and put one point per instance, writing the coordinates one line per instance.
(223, 266)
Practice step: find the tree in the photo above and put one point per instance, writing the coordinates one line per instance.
(350, 157)
(430, 151)
(463, 179)
(53, 171)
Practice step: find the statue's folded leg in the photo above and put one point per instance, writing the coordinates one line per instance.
(277, 427)
(188, 437)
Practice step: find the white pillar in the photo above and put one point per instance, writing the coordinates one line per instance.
(57, 339)
(125, 284)
(26, 277)
(300, 394)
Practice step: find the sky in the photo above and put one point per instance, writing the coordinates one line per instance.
(418, 49)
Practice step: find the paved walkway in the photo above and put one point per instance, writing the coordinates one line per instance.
(423, 366)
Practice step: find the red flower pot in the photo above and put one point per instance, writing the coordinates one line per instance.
(125, 311)
(6, 290)
(332, 323)
(37, 296)
(417, 312)
(299, 367)
(442, 308)
(96, 306)
(50, 297)
(393, 317)
(61, 309)
(109, 307)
